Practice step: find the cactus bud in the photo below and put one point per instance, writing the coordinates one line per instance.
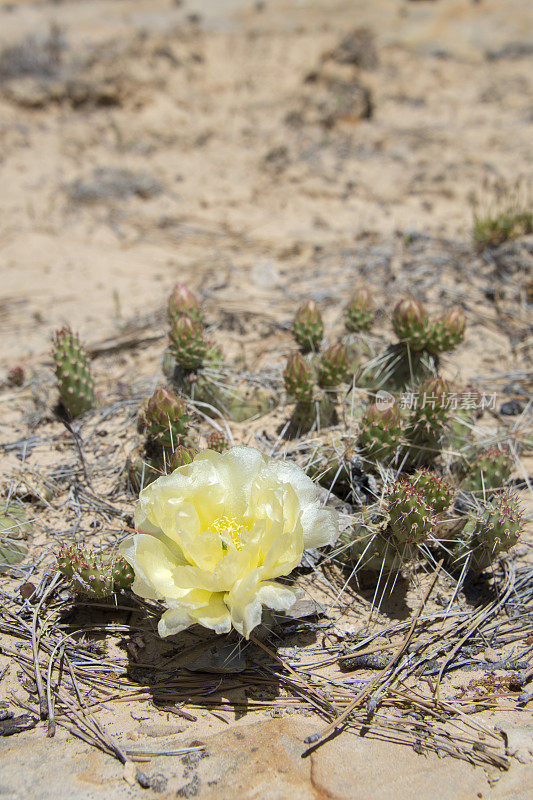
(182, 302)
(411, 323)
(411, 517)
(166, 418)
(16, 376)
(217, 441)
(308, 327)
(73, 373)
(299, 378)
(181, 457)
(333, 367)
(359, 313)
(187, 343)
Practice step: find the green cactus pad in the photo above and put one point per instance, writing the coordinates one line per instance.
(308, 327)
(93, 574)
(182, 302)
(299, 378)
(359, 313)
(334, 367)
(411, 516)
(181, 457)
(72, 370)
(428, 422)
(166, 419)
(187, 343)
(446, 333)
(489, 470)
(382, 434)
(411, 324)
(437, 493)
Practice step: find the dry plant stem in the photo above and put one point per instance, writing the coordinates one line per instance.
(43, 705)
(476, 622)
(317, 737)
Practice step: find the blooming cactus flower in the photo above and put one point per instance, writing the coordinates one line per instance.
(214, 536)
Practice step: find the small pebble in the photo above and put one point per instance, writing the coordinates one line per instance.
(511, 408)
(27, 590)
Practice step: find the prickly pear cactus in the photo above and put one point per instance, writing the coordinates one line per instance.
(187, 343)
(299, 378)
(333, 368)
(489, 470)
(217, 441)
(411, 516)
(411, 323)
(181, 457)
(359, 313)
(182, 302)
(93, 574)
(73, 373)
(437, 492)
(308, 327)
(166, 417)
(382, 434)
(447, 332)
(429, 422)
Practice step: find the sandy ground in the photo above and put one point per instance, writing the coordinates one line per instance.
(224, 144)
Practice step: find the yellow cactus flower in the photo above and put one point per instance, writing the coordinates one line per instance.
(214, 535)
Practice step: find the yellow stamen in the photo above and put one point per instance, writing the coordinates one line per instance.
(228, 528)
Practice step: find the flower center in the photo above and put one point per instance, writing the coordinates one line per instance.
(229, 529)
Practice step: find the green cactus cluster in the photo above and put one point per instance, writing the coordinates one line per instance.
(382, 434)
(166, 419)
(308, 327)
(72, 369)
(359, 313)
(488, 471)
(94, 574)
